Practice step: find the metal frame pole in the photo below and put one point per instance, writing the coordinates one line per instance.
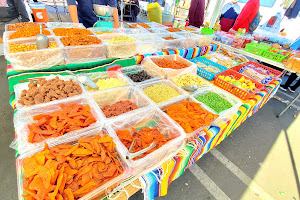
(289, 105)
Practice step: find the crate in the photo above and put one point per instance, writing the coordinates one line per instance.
(207, 31)
(258, 49)
(240, 93)
(272, 71)
(274, 56)
(206, 74)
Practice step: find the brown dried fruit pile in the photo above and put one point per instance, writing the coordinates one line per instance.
(118, 108)
(43, 91)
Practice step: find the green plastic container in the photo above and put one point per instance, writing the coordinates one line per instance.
(258, 49)
(207, 31)
(274, 56)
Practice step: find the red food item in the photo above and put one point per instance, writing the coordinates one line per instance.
(143, 139)
(190, 115)
(164, 63)
(70, 172)
(118, 108)
(71, 117)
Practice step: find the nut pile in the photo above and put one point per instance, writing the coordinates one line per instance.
(15, 48)
(18, 26)
(71, 31)
(119, 39)
(28, 32)
(170, 38)
(44, 90)
(173, 29)
(164, 63)
(140, 76)
(106, 83)
(188, 79)
(118, 108)
(160, 93)
(79, 40)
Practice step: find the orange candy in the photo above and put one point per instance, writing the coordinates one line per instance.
(70, 172)
(143, 139)
(71, 117)
(28, 32)
(190, 115)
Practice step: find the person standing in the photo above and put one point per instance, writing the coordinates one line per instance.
(288, 83)
(11, 12)
(247, 15)
(229, 13)
(83, 11)
(196, 13)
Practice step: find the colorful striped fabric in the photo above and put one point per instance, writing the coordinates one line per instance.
(156, 182)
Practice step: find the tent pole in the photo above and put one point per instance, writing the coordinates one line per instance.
(216, 12)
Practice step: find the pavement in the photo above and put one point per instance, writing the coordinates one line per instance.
(259, 160)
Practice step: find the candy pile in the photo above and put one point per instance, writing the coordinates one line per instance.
(106, 83)
(190, 116)
(143, 139)
(252, 72)
(160, 93)
(15, 48)
(188, 79)
(18, 26)
(71, 31)
(44, 90)
(209, 68)
(242, 83)
(118, 108)
(72, 117)
(173, 29)
(79, 40)
(214, 101)
(119, 39)
(28, 32)
(164, 63)
(140, 76)
(70, 172)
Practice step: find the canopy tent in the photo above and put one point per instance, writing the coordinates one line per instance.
(266, 3)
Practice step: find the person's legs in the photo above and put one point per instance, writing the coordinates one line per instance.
(294, 87)
(290, 80)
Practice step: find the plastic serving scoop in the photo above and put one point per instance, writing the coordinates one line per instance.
(190, 88)
(42, 41)
(84, 79)
(131, 156)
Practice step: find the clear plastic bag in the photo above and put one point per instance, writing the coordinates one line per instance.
(64, 25)
(114, 95)
(157, 30)
(134, 30)
(174, 42)
(25, 116)
(191, 41)
(151, 117)
(225, 114)
(168, 73)
(148, 43)
(99, 192)
(137, 68)
(181, 92)
(119, 50)
(85, 53)
(100, 31)
(18, 88)
(205, 40)
(35, 59)
(177, 102)
(105, 75)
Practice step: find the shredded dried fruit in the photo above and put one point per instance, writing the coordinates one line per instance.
(173, 29)
(43, 90)
(71, 31)
(118, 108)
(72, 117)
(164, 63)
(79, 40)
(190, 116)
(70, 172)
(143, 139)
(170, 38)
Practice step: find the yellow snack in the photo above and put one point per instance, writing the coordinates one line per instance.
(188, 79)
(15, 48)
(160, 93)
(106, 83)
(121, 39)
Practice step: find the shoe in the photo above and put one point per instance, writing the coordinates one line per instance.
(282, 88)
(291, 90)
